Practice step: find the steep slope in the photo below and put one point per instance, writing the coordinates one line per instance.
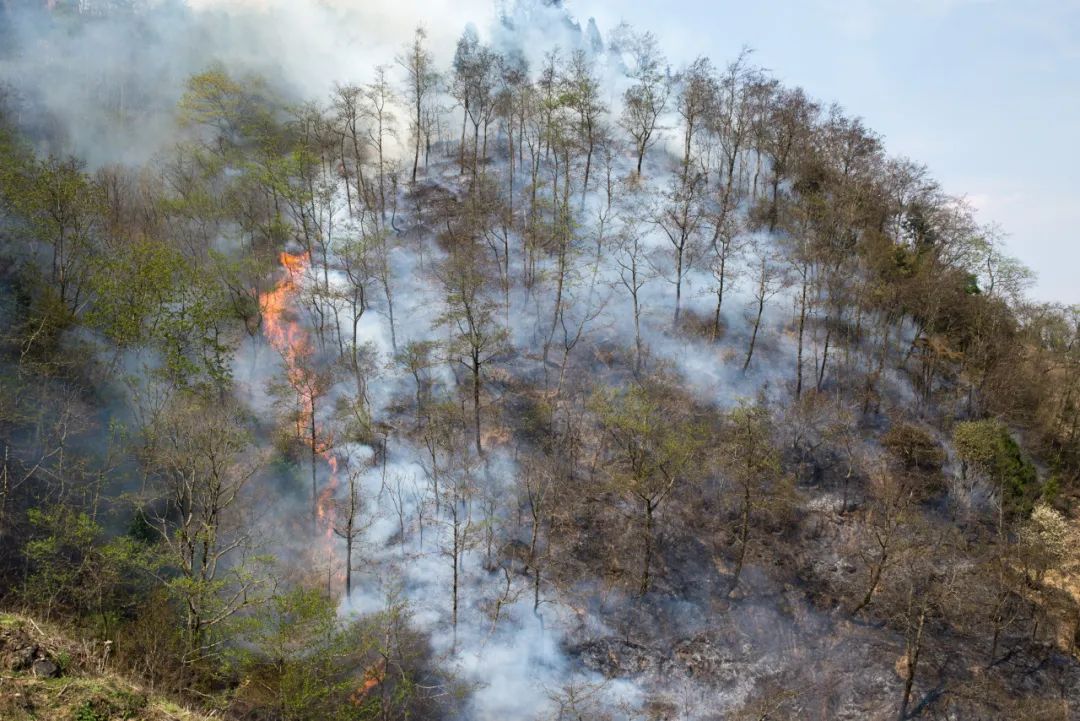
(45, 676)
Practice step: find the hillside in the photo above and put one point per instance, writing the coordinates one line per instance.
(541, 380)
(47, 676)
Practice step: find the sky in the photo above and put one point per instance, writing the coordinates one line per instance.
(986, 93)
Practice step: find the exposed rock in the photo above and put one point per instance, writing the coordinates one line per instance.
(17, 649)
(44, 668)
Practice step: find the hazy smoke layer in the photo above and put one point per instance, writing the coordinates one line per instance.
(105, 80)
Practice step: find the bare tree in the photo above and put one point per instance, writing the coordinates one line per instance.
(423, 79)
(696, 98)
(680, 218)
(753, 465)
(634, 272)
(347, 524)
(888, 511)
(472, 318)
(787, 131)
(204, 455)
(474, 86)
(645, 101)
(768, 280)
(726, 247)
(583, 90)
(457, 471)
(348, 103)
(382, 127)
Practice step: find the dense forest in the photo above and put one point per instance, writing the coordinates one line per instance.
(537, 382)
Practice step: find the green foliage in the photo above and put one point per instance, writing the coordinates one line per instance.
(653, 446)
(89, 712)
(45, 319)
(1044, 539)
(238, 113)
(132, 291)
(194, 336)
(15, 160)
(971, 285)
(109, 704)
(150, 295)
(751, 455)
(141, 530)
(78, 568)
(987, 447)
(63, 208)
(1051, 488)
(297, 647)
(240, 277)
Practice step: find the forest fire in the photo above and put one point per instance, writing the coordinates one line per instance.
(290, 339)
(282, 330)
(373, 676)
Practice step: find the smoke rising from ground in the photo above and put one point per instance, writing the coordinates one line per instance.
(109, 88)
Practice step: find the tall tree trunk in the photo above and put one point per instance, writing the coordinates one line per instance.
(913, 651)
(476, 397)
(753, 336)
(461, 150)
(875, 579)
(348, 559)
(802, 329)
(719, 295)
(637, 331)
(824, 355)
(416, 151)
(679, 251)
(744, 538)
(646, 564)
(314, 469)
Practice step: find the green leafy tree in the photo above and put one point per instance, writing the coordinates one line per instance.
(79, 570)
(235, 112)
(132, 290)
(651, 445)
(295, 656)
(986, 447)
(752, 464)
(62, 206)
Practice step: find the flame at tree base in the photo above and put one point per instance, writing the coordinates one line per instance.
(290, 339)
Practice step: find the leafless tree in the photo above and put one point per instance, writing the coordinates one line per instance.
(423, 80)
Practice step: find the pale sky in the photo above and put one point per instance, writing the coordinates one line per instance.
(986, 93)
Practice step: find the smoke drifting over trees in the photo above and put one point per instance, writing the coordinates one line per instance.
(360, 369)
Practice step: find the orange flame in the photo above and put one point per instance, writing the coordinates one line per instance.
(373, 676)
(289, 338)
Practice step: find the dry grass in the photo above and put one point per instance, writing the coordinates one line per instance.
(81, 693)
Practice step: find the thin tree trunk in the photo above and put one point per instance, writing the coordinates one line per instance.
(824, 355)
(678, 280)
(915, 648)
(744, 539)
(314, 468)
(802, 328)
(476, 399)
(753, 336)
(648, 540)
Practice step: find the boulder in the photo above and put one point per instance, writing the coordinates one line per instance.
(44, 668)
(17, 649)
